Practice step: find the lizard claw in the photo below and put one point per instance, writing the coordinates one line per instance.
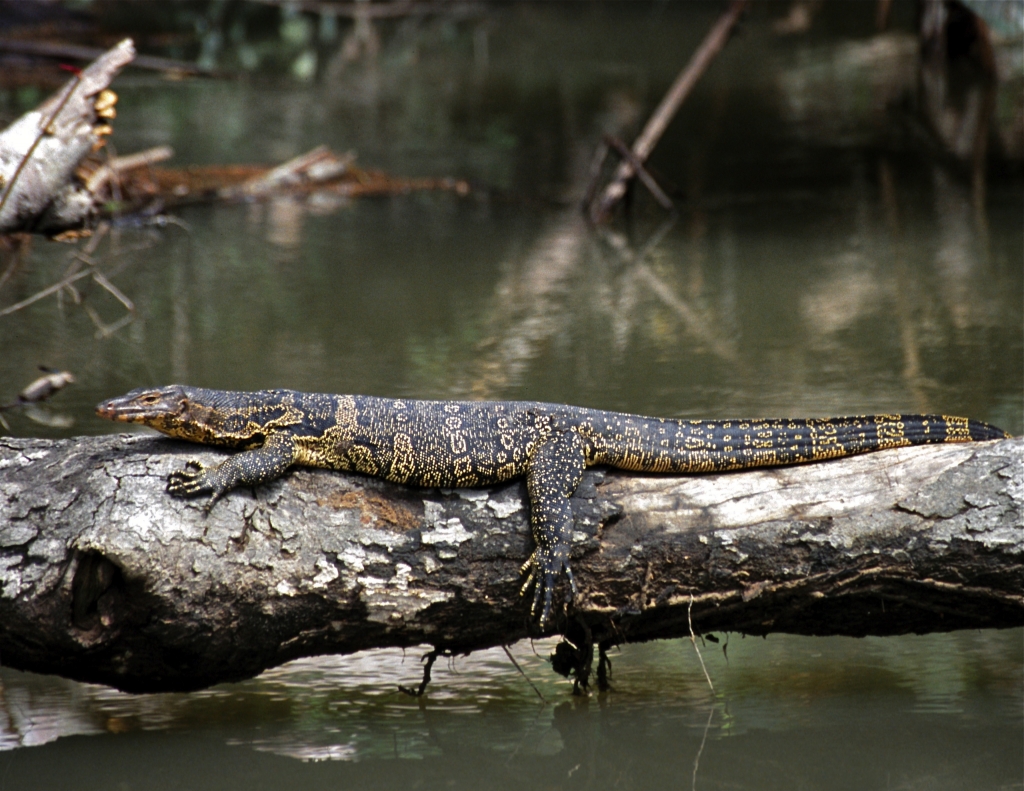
(542, 569)
(189, 481)
(194, 479)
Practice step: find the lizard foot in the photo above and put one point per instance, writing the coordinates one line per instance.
(192, 480)
(543, 568)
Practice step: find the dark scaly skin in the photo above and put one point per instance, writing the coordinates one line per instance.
(480, 443)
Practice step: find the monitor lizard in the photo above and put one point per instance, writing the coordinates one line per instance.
(480, 443)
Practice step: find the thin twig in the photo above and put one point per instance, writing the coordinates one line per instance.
(512, 659)
(696, 760)
(45, 292)
(115, 292)
(94, 240)
(655, 238)
(73, 274)
(429, 659)
(648, 180)
(101, 328)
(43, 130)
(106, 330)
(693, 640)
(10, 270)
(78, 52)
(118, 165)
(293, 172)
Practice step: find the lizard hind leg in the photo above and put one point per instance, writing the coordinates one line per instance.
(555, 469)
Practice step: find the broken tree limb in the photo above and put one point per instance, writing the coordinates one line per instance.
(117, 167)
(41, 152)
(106, 578)
(670, 104)
(319, 173)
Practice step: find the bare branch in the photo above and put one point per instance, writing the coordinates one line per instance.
(670, 104)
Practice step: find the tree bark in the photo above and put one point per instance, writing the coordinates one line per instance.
(104, 577)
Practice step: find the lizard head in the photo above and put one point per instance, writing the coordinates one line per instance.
(170, 410)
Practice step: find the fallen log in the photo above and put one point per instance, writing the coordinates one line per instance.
(106, 578)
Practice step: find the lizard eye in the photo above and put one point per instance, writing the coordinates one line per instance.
(150, 398)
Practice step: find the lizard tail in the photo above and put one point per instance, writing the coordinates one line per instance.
(896, 430)
(710, 445)
(980, 432)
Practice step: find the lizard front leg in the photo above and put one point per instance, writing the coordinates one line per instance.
(554, 470)
(248, 468)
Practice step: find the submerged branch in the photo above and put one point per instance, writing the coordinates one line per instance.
(656, 125)
(317, 173)
(104, 577)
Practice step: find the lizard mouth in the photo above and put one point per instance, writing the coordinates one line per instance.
(127, 410)
(111, 410)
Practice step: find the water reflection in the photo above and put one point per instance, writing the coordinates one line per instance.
(701, 324)
(529, 307)
(770, 696)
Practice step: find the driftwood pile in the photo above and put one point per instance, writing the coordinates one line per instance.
(56, 180)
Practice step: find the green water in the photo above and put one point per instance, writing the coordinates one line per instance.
(823, 261)
(934, 712)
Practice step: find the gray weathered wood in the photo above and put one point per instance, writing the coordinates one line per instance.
(104, 577)
(41, 152)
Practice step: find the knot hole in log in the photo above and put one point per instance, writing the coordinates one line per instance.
(98, 595)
